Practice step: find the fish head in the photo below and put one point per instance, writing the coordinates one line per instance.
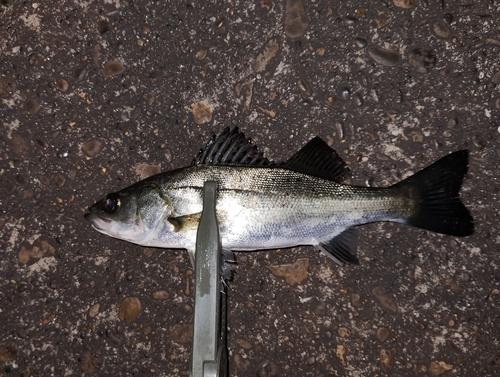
(132, 214)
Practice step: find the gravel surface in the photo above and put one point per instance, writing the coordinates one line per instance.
(97, 95)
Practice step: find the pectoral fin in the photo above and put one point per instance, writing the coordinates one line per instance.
(186, 222)
(342, 247)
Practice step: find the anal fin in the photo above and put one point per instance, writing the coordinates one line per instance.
(342, 247)
(226, 269)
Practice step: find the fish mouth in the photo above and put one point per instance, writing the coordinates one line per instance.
(98, 223)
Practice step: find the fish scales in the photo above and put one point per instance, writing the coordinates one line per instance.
(275, 206)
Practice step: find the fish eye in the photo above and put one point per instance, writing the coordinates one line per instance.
(111, 204)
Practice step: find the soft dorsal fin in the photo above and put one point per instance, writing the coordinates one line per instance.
(231, 147)
(318, 159)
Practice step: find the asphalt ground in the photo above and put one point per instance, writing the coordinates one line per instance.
(95, 96)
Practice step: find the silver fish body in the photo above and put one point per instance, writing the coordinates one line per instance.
(280, 205)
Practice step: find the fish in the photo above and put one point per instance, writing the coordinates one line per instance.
(261, 204)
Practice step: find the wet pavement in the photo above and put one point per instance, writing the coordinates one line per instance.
(97, 95)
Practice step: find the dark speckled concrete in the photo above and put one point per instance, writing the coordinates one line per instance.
(96, 95)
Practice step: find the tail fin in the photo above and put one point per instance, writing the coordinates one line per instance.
(440, 209)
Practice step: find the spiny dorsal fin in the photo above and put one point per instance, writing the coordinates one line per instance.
(231, 147)
(318, 159)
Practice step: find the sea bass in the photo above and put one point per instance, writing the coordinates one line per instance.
(265, 205)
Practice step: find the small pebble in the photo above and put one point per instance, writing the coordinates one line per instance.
(202, 113)
(91, 148)
(113, 68)
(320, 309)
(146, 170)
(496, 78)
(134, 115)
(478, 142)
(385, 299)
(466, 9)
(22, 288)
(94, 310)
(417, 136)
(452, 123)
(344, 332)
(340, 352)
(441, 30)
(295, 20)
(374, 95)
(201, 54)
(22, 333)
(453, 346)
(6, 87)
(448, 17)
(59, 179)
(356, 300)
(43, 180)
(267, 369)
(130, 309)
(388, 58)
(350, 20)
(494, 359)
(346, 93)
(31, 106)
(242, 364)
(268, 55)
(382, 333)
(386, 360)
(357, 99)
(62, 85)
(311, 360)
(42, 144)
(361, 42)
(304, 86)
(79, 73)
(91, 364)
(294, 273)
(168, 155)
(115, 340)
(20, 145)
(330, 100)
(406, 4)
(8, 352)
(340, 128)
(103, 26)
(181, 333)
(440, 367)
(361, 12)
(423, 59)
(160, 295)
